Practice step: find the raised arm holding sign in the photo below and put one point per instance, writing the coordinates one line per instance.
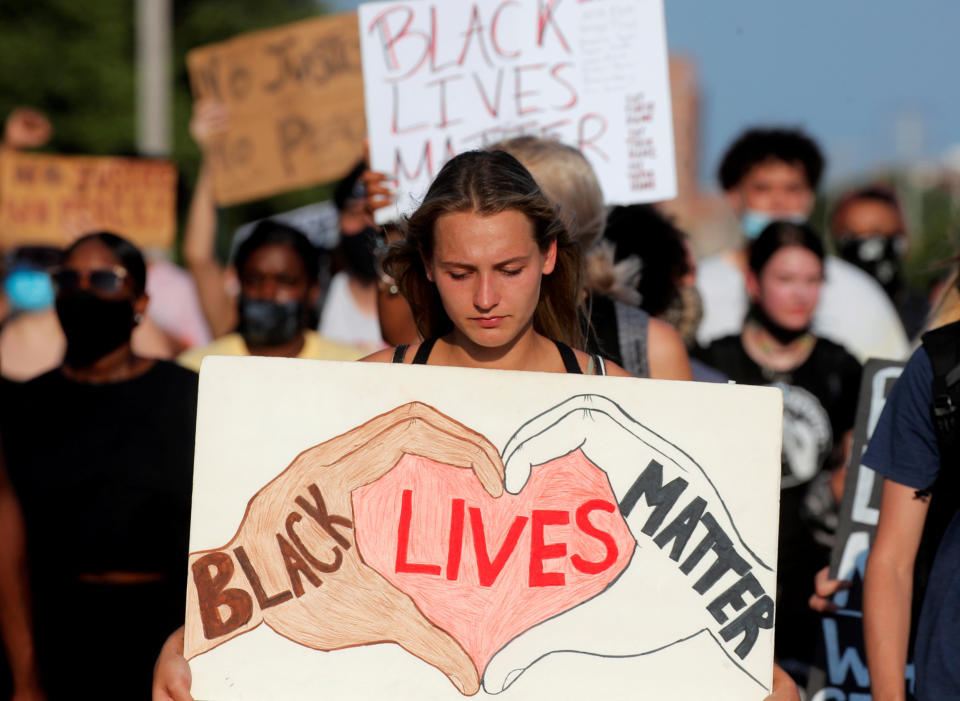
(296, 105)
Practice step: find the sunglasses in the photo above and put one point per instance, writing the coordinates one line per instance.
(107, 281)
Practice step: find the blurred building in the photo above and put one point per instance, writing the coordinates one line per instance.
(704, 216)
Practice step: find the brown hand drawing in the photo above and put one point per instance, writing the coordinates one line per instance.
(294, 563)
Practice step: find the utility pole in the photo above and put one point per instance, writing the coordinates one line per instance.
(154, 88)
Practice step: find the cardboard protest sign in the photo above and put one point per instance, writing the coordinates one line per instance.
(448, 532)
(51, 200)
(295, 104)
(441, 78)
(841, 670)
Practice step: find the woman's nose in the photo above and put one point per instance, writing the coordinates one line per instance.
(485, 294)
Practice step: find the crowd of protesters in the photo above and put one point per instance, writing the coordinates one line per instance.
(100, 345)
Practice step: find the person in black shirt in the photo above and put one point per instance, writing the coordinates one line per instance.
(820, 383)
(100, 455)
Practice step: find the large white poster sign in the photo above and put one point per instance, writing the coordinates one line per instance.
(445, 77)
(368, 531)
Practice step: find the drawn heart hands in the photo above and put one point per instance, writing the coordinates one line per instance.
(487, 569)
(706, 580)
(374, 536)
(294, 563)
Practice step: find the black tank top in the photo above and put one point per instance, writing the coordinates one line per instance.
(566, 354)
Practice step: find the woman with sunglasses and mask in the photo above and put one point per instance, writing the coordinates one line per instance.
(100, 454)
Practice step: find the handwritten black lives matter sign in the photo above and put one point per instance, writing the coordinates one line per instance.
(479, 533)
(442, 78)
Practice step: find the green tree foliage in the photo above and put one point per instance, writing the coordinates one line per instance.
(73, 60)
(76, 62)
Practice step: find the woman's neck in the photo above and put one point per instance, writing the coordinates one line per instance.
(528, 351)
(116, 366)
(770, 353)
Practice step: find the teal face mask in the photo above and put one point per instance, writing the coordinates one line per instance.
(29, 290)
(753, 222)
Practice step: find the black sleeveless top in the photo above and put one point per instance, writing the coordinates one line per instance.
(566, 354)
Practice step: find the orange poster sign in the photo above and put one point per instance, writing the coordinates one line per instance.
(52, 199)
(295, 100)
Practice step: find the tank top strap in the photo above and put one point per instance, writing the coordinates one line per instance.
(569, 358)
(400, 352)
(423, 352)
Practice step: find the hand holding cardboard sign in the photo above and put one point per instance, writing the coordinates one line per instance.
(210, 117)
(294, 562)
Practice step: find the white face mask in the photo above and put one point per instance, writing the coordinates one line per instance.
(753, 221)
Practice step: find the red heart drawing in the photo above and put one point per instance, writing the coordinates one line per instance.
(485, 569)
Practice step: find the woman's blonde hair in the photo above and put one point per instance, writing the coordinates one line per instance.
(568, 180)
(489, 182)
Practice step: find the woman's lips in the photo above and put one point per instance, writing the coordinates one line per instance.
(488, 322)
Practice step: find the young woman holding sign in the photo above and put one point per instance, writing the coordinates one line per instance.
(494, 281)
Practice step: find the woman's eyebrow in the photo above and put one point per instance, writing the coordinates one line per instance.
(470, 266)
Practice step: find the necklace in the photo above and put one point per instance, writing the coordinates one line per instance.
(776, 360)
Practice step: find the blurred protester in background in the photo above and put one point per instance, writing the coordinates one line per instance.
(772, 174)
(911, 598)
(31, 341)
(614, 325)
(216, 285)
(276, 309)
(396, 319)
(820, 384)
(174, 307)
(349, 312)
(100, 454)
(20, 679)
(667, 278)
(869, 231)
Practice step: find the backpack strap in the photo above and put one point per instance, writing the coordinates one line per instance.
(942, 346)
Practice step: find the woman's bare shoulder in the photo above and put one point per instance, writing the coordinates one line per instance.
(386, 355)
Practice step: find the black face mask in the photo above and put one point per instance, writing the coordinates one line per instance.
(93, 326)
(267, 323)
(781, 333)
(358, 252)
(878, 256)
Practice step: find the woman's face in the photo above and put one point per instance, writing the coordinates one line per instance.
(788, 288)
(487, 270)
